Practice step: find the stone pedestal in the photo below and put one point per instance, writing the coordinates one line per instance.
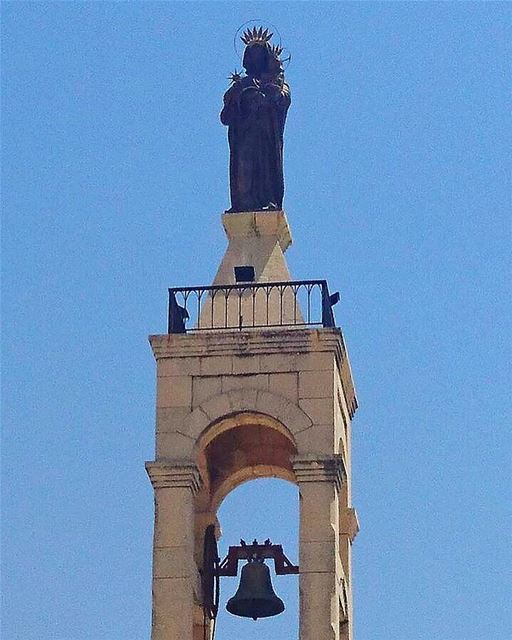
(257, 239)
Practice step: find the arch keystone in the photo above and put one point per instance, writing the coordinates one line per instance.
(242, 399)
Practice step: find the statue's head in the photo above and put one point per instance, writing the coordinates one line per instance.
(259, 55)
(256, 59)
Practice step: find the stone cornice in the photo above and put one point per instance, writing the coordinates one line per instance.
(246, 342)
(182, 474)
(319, 468)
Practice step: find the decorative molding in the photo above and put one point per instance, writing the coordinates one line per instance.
(247, 342)
(349, 523)
(323, 468)
(174, 474)
(254, 224)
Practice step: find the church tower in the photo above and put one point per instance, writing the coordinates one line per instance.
(253, 381)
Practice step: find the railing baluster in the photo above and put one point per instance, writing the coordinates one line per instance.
(240, 320)
(213, 302)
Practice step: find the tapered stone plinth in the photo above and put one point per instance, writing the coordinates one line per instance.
(257, 239)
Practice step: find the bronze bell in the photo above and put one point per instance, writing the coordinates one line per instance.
(255, 597)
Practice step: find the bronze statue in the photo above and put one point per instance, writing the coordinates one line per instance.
(255, 108)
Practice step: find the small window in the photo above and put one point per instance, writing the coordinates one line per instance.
(244, 274)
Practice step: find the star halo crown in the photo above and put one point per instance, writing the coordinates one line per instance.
(256, 36)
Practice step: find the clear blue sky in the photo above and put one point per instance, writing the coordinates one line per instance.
(397, 191)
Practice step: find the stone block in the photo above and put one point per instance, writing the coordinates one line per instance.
(278, 362)
(246, 364)
(216, 365)
(216, 407)
(316, 384)
(173, 517)
(315, 361)
(318, 517)
(171, 419)
(319, 557)
(284, 384)
(177, 367)
(204, 388)
(277, 407)
(320, 410)
(259, 381)
(196, 423)
(349, 522)
(317, 439)
(318, 593)
(173, 605)
(174, 391)
(173, 562)
(243, 399)
(173, 445)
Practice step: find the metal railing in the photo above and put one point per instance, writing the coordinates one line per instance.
(251, 305)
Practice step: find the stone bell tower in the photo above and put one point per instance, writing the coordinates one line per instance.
(253, 380)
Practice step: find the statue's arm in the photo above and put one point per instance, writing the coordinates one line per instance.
(231, 104)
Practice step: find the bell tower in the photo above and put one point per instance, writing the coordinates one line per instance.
(253, 380)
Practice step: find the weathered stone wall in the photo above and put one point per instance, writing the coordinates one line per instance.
(297, 382)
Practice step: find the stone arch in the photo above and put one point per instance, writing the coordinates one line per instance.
(240, 435)
(246, 475)
(212, 410)
(240, 447)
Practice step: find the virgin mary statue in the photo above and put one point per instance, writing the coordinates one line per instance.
(255, 108)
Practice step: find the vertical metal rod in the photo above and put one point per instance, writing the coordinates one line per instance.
(240, 320)
(324, 306)
(169, 312)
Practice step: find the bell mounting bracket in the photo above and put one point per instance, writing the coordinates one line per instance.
(210, 574)
(255, 551)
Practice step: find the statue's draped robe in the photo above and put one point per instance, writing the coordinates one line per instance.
(256, 119)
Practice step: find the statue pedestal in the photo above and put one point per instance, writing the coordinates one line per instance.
(258, 239)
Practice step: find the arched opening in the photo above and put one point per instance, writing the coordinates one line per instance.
(244, 453)
(239, 447)
(248, 512)
(245, 459)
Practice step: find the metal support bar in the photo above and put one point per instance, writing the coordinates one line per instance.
(283, 566)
